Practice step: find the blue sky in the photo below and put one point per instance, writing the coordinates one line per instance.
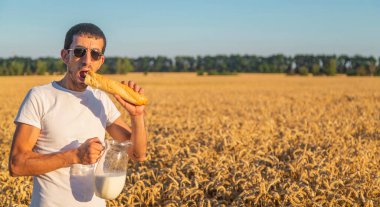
(195, 27)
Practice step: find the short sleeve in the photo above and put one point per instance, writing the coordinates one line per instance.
(30, 111)
(112, 112)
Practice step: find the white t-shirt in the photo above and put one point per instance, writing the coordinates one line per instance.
(66, 119)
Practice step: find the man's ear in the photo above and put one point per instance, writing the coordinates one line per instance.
(65, 56)
(103, 58)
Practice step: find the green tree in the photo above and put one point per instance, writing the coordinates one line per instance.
(330, 67)
(342, 63)
(277, 63)
(143, 64)
(123, 66)
(59, 65)
(41, 67)
(128, 65)
(209, 63)
(16, 67)
(315, 69)
(162, 64)
(104, 68)
(303, 71)
(264, 68)
(184, 63)
(221, 63)
(372, 68)
(2, 70)
(361, 70)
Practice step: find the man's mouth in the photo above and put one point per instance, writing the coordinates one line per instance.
(83, 74)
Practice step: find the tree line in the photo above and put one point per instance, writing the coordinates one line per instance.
(219, 65)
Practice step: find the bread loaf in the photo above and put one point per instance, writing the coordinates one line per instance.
(114, 87)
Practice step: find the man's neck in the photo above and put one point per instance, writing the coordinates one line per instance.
(65, 82)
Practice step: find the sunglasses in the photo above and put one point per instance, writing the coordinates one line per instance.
(81, 51)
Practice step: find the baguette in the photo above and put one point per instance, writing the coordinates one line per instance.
(114, 87)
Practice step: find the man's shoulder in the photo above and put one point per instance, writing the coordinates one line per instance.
(41, 88)
(45, 86)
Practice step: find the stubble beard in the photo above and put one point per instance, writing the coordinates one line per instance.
(75, 81)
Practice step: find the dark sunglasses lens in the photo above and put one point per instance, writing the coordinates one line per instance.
(79, 52)
(95, 54)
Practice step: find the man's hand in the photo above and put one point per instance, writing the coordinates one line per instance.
(137, 132)
(89, 152)
(133, 110)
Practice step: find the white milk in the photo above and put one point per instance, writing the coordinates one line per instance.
(109, 186)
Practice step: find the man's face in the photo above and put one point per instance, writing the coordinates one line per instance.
(78, 66)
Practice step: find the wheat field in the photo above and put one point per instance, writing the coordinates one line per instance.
(244, 140)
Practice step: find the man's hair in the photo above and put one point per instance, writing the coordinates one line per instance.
(84, 29)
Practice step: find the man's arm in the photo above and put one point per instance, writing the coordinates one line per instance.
(24, 162)
(119, 130)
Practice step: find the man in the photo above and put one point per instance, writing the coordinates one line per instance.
(64, 122)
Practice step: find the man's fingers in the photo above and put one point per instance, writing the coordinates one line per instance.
(90, 160)
(95, 149)
(119, 98)
(94, 139)
(94, 145)
(90, 151)
(131, 84)
(93, 157)
(134, 86)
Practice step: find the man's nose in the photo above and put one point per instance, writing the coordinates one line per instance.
(87, 57)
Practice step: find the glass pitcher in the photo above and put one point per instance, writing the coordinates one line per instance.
(111, 170)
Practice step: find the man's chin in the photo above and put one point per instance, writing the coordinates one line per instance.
(83, 84)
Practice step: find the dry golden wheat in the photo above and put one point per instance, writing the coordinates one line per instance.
(265, 140)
